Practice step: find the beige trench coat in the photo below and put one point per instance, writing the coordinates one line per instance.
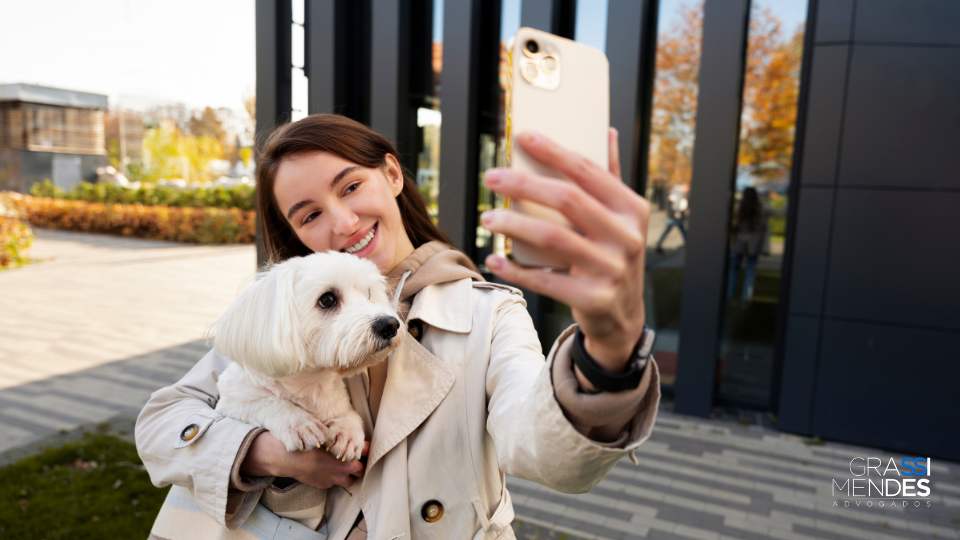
(471, 401)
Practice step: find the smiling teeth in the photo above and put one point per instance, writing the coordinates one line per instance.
(362, 243)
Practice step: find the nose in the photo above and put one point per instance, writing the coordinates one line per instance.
(344, 220)
(386, 327)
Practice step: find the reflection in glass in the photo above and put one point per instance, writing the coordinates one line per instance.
(428, 122)
(669, 170)
(758, 218)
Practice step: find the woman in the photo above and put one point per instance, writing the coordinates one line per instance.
(467, 398)
(749, 235)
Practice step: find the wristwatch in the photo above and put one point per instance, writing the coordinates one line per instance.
(604, 380)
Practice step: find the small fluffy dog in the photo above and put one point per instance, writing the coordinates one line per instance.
(293, 335)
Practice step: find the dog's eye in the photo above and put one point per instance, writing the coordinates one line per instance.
(327, 300)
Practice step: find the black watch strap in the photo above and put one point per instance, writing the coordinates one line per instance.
(607, 381)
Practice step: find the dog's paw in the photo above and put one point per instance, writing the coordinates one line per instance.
(346, 437)
(301, 433)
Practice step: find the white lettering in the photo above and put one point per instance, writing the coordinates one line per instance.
(923, 487)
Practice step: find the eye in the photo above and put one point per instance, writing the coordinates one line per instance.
(351, 188)
(310, 217)
(327, 300)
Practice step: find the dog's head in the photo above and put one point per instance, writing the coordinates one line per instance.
(326, 310)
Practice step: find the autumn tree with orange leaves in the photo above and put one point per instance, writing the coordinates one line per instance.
(771, 81)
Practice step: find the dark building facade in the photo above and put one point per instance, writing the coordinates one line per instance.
(49, 133)
(838, 315)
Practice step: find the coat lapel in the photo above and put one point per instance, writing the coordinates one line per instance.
(417, 381)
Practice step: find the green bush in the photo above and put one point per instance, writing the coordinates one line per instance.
(241, 196)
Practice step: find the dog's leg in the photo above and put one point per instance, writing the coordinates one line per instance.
(244, 399)
(346, 436)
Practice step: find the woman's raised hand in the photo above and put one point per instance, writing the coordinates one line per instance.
(605, 252)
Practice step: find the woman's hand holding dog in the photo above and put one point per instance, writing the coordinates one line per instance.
(605, 253)
(316, 467)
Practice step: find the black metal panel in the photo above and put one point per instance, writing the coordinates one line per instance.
(824, 115)
(798, 378)
(352, 58)
(908, 21)
(320, 55)
(554, 16)
(391, 110)
(273, 87)
(471, 37)
(889, 386)
(714, 165)
(894, 258)
(631, 49)
(834, 21)
(902, 127)
(811, 242)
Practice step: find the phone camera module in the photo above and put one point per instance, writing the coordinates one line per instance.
(532, 46)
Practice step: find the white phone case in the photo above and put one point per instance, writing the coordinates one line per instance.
(575, 114)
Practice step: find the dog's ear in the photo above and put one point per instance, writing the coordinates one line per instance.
(261, 330)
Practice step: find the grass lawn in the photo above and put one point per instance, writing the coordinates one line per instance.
(92, 488)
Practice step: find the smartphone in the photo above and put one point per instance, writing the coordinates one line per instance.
(559, 88)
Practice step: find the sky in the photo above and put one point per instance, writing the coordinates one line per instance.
(199, 52)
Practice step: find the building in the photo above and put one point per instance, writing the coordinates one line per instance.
(49, 133)
(843, 321)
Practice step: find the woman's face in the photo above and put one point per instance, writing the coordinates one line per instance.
(335, 204)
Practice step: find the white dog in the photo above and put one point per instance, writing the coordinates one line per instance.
(293, 335)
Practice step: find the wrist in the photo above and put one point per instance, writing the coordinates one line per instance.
(266, 457)
(611, 356)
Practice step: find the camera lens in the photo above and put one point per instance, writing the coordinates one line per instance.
(532, 46)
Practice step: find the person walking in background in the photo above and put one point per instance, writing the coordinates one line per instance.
(749, 233)
(677, 212)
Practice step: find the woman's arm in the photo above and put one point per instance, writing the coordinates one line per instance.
(226, 463)
(542, 428)
(182, 440)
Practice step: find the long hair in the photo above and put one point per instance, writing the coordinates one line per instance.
(344, 138)
(749, 213)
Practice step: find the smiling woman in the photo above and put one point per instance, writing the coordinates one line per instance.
(467, 396)
(327, 182)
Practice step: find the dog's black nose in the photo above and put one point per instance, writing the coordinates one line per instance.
(386, 327)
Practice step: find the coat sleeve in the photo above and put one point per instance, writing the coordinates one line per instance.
(207, 464)
(538, 436)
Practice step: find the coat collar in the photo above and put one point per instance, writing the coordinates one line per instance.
(446, 306)
(417, 381)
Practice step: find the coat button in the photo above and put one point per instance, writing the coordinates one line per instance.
(189, 432)
(432, 511)
(415, 329)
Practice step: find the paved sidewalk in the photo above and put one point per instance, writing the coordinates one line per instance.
(86, 336)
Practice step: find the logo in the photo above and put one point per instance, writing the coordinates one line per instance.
(884, 483)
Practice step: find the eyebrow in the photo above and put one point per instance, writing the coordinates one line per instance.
(336, 179)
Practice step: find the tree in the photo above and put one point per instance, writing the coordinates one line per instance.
(207, 124)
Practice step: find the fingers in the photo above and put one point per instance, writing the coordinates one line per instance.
(559, 239)
(575, 291)
(586, 213)
(613, 152)
(596, 181)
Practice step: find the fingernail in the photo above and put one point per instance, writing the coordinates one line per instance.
(488, 217)
(494, 261)
(493, 177)
(529, 137)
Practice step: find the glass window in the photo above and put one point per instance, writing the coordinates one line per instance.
(429, 119)
(669, 170)
(299, 85)
(758, 225)
(591, 23)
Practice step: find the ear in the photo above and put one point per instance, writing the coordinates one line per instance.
(394, 173)
(261, 329)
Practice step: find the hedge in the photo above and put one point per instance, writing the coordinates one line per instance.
(239, 196)
(15, 235)
(195, 225)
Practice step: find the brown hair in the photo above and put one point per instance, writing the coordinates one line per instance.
(349, 140)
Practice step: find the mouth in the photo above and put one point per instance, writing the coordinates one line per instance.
(365, 245)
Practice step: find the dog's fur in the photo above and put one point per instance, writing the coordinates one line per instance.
(290, 354)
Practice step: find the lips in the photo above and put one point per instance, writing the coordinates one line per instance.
(352, 241)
